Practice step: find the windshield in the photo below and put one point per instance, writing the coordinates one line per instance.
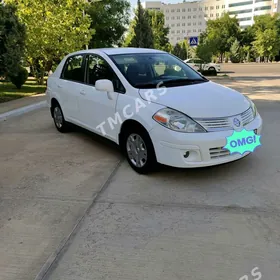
(148, 70)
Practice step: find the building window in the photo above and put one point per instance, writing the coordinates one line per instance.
(199, 23)
(211, 8)
(189, 24)
(244, 19)
(189, 10)
(178, 10)
(172, 24)
(178, 17)
(167, 11)
(189, 31)
(194, 23)
(172, 11)
(167, 18)
(194, 16)
(205, 15)
(211, 15)
(240, 12)
(200, 8)
(240, 4)
(189, 17)
(183, 10)
(178, 31)
(183, 17)
(217, 15)
(172, 32)
(172, 17)
(194, 9)
(199, 30)
(183, 24)
(178, 24)
(223, 6)
(217, 7)
(206, 8)
(263, 8)
(194, 30)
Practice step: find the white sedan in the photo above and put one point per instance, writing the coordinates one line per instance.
(198, 64)
(157, 108)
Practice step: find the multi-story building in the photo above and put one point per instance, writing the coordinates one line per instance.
(189, 19)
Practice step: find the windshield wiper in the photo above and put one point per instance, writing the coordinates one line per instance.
(146, 85)
(170, 82)
(183, 80)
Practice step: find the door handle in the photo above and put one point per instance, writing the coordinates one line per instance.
(82, 93)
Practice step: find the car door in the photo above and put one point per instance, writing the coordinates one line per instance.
(198, 64)
(191, 63)
(70, 86)
(98, 108)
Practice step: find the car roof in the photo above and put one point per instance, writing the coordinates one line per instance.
(114, 51)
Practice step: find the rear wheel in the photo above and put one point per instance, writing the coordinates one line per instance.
(212, 69)
(58, 117)
(139, 151)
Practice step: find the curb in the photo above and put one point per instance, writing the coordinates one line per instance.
(49, 265)
(22, 110)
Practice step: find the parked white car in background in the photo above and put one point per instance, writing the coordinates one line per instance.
(157, 108)
(198, 64)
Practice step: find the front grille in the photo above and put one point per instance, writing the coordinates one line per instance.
(218, 152)
(247, 116)
(215, 124)
(218, 124)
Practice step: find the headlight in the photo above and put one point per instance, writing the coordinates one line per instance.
(253, 106)
(177, 121)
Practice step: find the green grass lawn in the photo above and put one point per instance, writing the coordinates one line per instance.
(9, 92)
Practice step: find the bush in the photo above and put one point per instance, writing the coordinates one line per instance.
(19, 79)
(208, 72)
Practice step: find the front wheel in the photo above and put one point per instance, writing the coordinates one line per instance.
(58, 118)
(139, 151)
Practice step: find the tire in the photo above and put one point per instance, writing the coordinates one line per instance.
(135, 140)
(58, 118)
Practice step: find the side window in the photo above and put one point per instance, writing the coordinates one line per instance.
(98, 68)
(198, 61)
(190, 61)
(73, 69)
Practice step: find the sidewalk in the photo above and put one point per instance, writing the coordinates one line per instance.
(21, 102)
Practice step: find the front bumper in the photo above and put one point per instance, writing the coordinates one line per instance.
(187, 150)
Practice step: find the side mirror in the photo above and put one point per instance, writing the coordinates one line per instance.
(104, 85)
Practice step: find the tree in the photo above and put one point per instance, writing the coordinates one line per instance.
(267, 35)
(179, 51)
(141, 32)
(235, 52)
(12, 39)
(160, 32)
(267, 43)
(53, 29)
(221, 33)
(109, 19)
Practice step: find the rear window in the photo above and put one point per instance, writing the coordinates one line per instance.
(73, 69)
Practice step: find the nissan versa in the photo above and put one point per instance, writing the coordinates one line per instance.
(157, 108)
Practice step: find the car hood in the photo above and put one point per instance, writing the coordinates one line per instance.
(205, 100)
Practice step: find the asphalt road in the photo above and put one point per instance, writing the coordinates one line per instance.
(213, 223)
(251, 69)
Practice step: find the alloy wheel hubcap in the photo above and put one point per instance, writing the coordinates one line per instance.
(136, 150)
(57, 115)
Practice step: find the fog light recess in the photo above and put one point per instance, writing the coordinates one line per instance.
(186, 155)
